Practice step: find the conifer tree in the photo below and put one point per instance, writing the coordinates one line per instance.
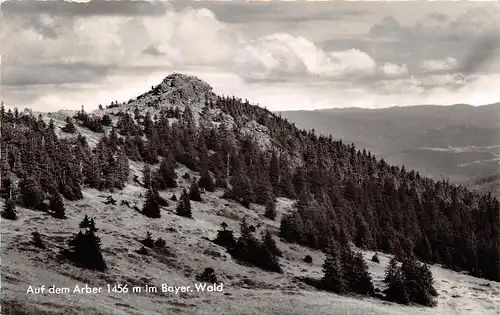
(85, 247)
(396, 288)
(270, 212)
(114, 140)
(274, 171)
(208, 276)
(194, 191)
(360, 280)
(31, 193)
(166, 173)
(333, 278)
(146, 174)
(106, 120)
(263, 191)
(151, 207)
(206, 180)
(225, 237)
(56, 206)
(148, 241)
(7, 187)
(184, 205)
(70, 126)
(391, 270)
(242, 191)
(247, 244)
(269, 242)
(418, 282)
(37, 240)
(9, 210)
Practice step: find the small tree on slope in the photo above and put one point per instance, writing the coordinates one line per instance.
(184, 205)
(194, 191)
(151, 208)
(270, 212)
(57, 206)
(85, 247)
(333, 278)
(9, 210)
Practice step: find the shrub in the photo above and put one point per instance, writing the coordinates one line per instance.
(37, 240)
(208, 275)
(308, 259)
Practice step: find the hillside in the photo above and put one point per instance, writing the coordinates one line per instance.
(121, 164)
(247, 290)
(458, 142)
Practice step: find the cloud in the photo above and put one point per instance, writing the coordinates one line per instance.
(283, 54)
(477, 21)
(51, 73)
(449, 63)
(191, 37)
(73, 60)
(86, 8)
(394, 70)
(439, 43)
(289, 11)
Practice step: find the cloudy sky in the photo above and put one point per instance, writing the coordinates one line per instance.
(282, 55)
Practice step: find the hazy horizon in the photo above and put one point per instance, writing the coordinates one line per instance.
(281, 55)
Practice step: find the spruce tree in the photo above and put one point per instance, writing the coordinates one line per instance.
(31, 193)
(148, 241)
(184, 205)
(274, 171)
(85, 247)
(396, 288)
(225, 237)
(146, 175)
(9, 210)
(418, 282)
(7, 187)
(56, 206)
(194, 191)
(242, 191)
(206, 181)
(166, 173)
(151, 207)
(263, 192)
(37, 240)
(70, 126)
(391, 269)
(208, 276)
(270, 212)
(333, 279)
(247, 244)
(269, 242)
(360, 280)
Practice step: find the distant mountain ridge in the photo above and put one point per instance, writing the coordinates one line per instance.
(460, 142)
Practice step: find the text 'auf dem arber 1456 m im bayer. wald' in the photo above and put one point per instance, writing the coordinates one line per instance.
(124, 288)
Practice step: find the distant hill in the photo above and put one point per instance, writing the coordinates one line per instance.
(459, 142)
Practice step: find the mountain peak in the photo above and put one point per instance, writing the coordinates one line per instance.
(175, 90)
(182, 89)
(180, 81)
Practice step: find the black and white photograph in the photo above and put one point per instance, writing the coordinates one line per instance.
(249, 157)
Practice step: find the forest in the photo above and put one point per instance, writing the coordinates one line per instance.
(342, 194)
